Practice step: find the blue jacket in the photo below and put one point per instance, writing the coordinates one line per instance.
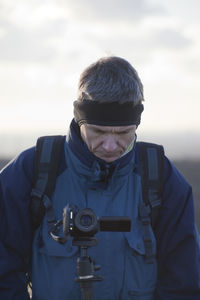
(174, 275)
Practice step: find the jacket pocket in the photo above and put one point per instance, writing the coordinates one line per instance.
(54, 269)
(139, 277)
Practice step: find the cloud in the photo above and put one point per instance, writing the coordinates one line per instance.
(141, 42)
(171, 39)
(26, 30)
(32, 32)
(19, 44)
(37, 12)
(187, 11)
(112, 10)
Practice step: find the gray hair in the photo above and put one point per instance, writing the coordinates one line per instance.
(110, 79)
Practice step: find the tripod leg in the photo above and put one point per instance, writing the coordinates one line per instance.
(87, 290)
(85, 270)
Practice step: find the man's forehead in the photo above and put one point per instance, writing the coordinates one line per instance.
(111, 128)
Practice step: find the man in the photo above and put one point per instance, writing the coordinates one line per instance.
(100, 170)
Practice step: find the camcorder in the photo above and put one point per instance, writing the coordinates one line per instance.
(85, 223)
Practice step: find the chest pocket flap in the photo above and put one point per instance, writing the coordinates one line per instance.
(141, 240)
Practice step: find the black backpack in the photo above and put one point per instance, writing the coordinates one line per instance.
(48, 156)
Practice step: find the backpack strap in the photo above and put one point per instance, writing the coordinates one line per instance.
(151, 158)
(47, 162)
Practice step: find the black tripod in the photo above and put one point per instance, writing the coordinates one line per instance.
(82, 225)
(86, 267)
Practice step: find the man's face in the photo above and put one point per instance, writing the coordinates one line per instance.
(107, 142)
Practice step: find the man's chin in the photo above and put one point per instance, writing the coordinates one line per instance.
(108, 159)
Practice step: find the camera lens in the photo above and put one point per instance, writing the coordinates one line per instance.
(86, 220)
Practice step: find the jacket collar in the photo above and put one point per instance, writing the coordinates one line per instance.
(97, 173)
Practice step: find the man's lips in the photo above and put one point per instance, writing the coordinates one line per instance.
(108, 155)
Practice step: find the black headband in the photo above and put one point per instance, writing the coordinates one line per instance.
(107, 113)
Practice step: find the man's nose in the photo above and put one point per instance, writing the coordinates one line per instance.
(109, 144)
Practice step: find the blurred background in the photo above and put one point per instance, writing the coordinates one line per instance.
(46, 44)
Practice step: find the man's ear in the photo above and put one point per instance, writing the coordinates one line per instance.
(82, 132)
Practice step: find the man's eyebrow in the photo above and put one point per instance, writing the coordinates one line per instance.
(126, 130)
(96, 129)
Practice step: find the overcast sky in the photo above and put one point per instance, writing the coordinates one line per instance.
(45, 45)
